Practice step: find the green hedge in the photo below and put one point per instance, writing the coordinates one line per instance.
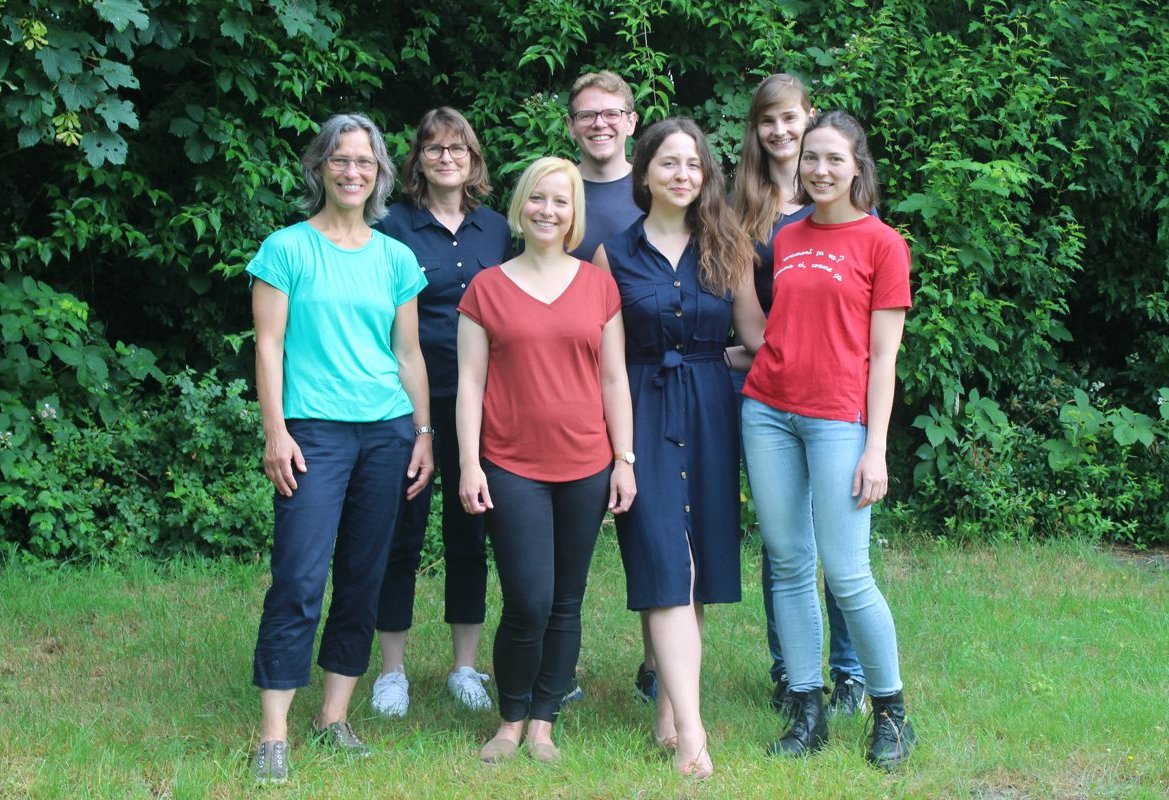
(1022, 148)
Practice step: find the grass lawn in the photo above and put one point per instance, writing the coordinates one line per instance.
(1031, 671)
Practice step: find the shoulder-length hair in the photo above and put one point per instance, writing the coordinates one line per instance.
(725, 254)
(434, 124)
(758, 199)
(863, 193)
(536, 172)
(323, 145)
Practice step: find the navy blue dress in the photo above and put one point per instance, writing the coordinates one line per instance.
(685, 430)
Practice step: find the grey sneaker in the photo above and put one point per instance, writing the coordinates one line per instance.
(848, 696)
(391, 694)
(340, 736)
(466, 686)
(270, 762)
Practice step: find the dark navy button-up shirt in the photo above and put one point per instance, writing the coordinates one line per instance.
(449, 261)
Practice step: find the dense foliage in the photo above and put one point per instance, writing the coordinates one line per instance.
(149, 146)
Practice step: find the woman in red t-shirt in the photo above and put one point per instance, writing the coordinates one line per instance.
(815, 420)
(545, 430)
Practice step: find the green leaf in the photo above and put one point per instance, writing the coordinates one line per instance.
(117, 113)
(235, 29)
(199, 148)
(927, 204)
(182, 126)
(103, 146)
(28, 137)
(77, 93)
(822, 58)
(1062, 454)
(122, 13)
(67, 353)
(57, 62)
(116, 76)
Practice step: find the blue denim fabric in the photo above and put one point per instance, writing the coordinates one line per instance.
(842, 657)
(343, 512)
(801, 472)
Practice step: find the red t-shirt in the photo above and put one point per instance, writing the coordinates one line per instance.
(542, 412)
(828, 281)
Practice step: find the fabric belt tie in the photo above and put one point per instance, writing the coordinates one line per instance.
(673, 372)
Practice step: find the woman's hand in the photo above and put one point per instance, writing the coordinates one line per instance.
(421, 466)
(870, 482)
(282, 460)
(622, 487)
(473, 492)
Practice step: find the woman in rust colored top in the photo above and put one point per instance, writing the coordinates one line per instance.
(545, 434)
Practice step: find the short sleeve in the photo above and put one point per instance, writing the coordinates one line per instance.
(891, 273)
(470, 306)
(408, 278)
(271, 264)
(611, 294)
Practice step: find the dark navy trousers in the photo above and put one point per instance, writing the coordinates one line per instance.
(342, 513)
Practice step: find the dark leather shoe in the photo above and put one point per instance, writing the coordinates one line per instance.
(781, 699)
(809, 726)
(893, 737)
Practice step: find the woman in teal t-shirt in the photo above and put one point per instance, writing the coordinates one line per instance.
(346, 414)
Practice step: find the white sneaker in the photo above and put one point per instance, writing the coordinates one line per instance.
(391, 694)
(466, 686)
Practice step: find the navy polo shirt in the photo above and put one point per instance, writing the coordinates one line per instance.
(449, 261)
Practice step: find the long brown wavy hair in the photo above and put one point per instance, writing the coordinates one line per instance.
(725, 254)
(758, 199)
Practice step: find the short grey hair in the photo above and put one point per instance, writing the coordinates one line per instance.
(323, 145)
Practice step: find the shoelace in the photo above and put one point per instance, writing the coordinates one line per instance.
(882, 726)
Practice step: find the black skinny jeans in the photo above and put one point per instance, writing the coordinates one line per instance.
(543, 535)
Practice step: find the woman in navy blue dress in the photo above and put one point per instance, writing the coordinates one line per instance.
(684, 270)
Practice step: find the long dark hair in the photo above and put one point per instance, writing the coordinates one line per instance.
(725, 254)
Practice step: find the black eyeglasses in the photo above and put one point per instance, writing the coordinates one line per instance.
(611, 116)
(434, 151)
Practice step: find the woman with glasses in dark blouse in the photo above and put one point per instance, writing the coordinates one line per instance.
(441, 219)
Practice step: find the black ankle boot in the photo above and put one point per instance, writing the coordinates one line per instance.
(809, 727)
(893, 736)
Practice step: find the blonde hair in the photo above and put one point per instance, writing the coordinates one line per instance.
(758, 199)
(536, 172)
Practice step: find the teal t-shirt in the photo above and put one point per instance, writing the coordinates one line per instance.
(338, 361)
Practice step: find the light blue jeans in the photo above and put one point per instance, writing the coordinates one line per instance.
(801, 471)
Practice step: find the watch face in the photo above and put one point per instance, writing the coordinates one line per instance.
(628, 457)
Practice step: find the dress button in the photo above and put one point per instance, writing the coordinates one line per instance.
(677, 284)
(683, 475)
(686, 508)
(677, 312)
(462, 286)
(424, 269)
(454, 244)
(678, 347)
(459, 264)
(681, 444)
